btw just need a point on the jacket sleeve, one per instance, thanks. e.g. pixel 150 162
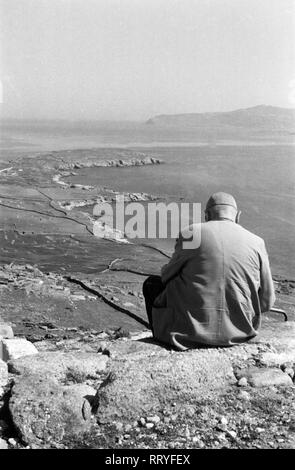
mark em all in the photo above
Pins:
pixel 266 291
pixel 178 260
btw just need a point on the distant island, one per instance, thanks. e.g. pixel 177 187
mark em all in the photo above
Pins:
pixel 261 117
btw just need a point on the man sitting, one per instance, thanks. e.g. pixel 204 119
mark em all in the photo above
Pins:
pixel 212 295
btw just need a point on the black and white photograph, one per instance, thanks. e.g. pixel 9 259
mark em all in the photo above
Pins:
pixel 147 227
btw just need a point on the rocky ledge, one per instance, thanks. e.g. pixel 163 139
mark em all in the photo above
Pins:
pixel 91 163
pixel 106 391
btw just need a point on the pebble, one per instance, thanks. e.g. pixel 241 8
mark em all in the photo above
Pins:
pixel 3 444
pixel 12 441
pixel 187 433
pixel 289 371
pixel 149 425
pixel 142 421
pixel 243 382
pixel 102 335
pixel 221 437
pixel 153 419
pixel 232 434
pixel 223 420
pixel 243 395
pixel 260 430
pixel 119 426
pixel 128 427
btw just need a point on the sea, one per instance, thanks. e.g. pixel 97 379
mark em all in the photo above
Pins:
pixel 258 171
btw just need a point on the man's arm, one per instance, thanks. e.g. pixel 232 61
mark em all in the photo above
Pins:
pixel 266 292
pixel 179 258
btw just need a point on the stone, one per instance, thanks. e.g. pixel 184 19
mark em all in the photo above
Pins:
pixel 243 395
pixel 189 410
pixel 201 445
pixel 71 367
pixel 3 444
pixel 138 387
pixel 153 419
pixel 17 347
pixel 266 377
pixel 289 371
pixel 282 341
pixel 133 350
pixel 243 382
pixel 3 373
pixel 45 412
pixel 260 430
pixel 119 426
pixel 223 420
pixel 6 332
pixel 12 441
pixel 149 425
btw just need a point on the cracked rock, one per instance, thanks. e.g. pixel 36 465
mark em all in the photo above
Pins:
pixel 69 367
pixel 17 347
pixel 45 412
pixel 141 388
pixel 6 331
pixel 266 377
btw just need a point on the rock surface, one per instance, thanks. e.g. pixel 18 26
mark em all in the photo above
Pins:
pixel 282 341
pixel 266 377
pixel 135 387
pixel 17 347
pixel 61 366
pixel 3 444
pixel 45 412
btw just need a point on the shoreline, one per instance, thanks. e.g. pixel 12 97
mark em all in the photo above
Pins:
pixel 76 307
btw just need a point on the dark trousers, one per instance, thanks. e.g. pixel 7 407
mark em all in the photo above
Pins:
pixel 151 288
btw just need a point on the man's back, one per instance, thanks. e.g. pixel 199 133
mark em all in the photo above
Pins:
pixel 214 294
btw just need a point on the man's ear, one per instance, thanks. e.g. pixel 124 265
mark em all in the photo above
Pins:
pixel 238 217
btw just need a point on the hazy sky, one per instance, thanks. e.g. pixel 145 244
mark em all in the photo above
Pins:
pixel 132 59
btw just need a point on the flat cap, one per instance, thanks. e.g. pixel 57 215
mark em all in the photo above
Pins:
pixel 221 199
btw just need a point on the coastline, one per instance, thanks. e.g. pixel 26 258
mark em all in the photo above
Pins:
pixel 77 300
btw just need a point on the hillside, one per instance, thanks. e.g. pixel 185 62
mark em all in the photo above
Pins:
pixel 260 117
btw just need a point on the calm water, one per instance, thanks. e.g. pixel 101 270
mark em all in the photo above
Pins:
pixel 261 178
pixel 260 174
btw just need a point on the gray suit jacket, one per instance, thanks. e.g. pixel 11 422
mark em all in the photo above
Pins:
pixel 215 293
